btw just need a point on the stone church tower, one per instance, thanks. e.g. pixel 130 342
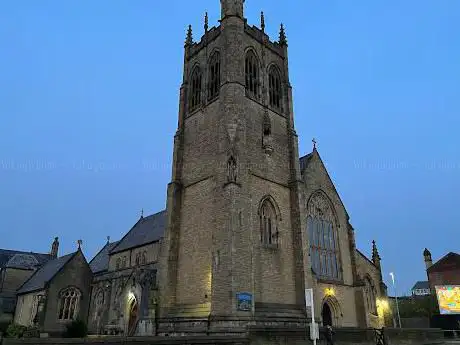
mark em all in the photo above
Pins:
pixel 233 244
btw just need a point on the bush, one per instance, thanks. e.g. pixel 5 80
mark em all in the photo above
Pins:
pixel 76 329
pixel 15 331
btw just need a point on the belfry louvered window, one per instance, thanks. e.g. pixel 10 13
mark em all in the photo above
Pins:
pixel 214 76
pixel 274 88
pixel 252 75
pixel 195 89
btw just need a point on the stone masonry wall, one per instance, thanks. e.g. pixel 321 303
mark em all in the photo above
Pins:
pixel 274 336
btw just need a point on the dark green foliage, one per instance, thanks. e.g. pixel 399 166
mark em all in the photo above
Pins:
pixel 15 331
pixel 425 306
pixel 76 329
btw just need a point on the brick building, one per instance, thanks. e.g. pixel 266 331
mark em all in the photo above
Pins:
pixel 248 224
pixel 445 271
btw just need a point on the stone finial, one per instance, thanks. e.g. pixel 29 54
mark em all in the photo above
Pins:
pixel 108 239
pixel 189 38
pixel 314 143
pixel 55 247
pixel 262 21
pixel 282 39
pixel 142 213
pixel 375 254
pixel 206 22
pixel 79 242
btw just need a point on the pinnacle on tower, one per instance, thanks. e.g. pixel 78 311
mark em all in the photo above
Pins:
pixel 282 39
pixel 55 247
pixel 189 38
pixel 232 8
pixel 262 21
pixel 375 254
pixel 206 22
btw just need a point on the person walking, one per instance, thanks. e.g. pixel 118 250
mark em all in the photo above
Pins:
pixel 329 335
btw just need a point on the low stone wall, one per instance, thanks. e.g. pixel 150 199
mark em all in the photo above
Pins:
pixel 258 336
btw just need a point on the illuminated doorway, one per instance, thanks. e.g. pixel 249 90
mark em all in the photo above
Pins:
pixel 326 315
pixel 133 314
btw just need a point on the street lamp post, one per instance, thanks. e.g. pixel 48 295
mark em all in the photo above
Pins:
pixel 396 298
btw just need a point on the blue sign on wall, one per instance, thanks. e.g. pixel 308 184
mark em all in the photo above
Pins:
pixel 244 301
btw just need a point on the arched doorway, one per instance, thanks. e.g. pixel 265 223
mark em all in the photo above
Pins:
pixel 133 313
pixel 326 315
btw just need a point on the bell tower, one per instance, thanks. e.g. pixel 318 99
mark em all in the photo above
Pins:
pixel 233 241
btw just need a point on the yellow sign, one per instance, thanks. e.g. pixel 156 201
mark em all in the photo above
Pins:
pixel 448 299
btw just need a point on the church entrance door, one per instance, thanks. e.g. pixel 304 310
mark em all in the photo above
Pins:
pixel 326 315
pixel 133 313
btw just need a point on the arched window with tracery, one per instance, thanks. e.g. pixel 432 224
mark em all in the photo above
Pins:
pixel 195 89
pixel 214 76
pixel 322 233
pixel 252 75
pixel 274 87
pixel 268 223
pixel 69 304
pixel 369 290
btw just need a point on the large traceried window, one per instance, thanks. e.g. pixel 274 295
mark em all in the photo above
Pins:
pixel 195 89
pixel 370 296
pixel 69 304
pixel 214 76
pixel 274 87
pixel 268 223
pixel 322 234
pixel 252 75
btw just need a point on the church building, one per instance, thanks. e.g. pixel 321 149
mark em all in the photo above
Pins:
pixel 249 225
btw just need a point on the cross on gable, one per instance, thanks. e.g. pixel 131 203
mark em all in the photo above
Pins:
pixel 314 143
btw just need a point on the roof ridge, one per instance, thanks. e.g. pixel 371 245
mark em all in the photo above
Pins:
pixel 67 257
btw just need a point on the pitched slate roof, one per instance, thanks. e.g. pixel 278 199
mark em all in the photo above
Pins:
pixel 100 262
pixel 146 230
pixel 448 261
pixel 20 259
pixel 421 285
pixel 47 272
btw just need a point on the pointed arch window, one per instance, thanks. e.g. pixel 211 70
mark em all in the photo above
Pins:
pixel 322 235
pixel 69 304
pixel 195 89
pixel 252 75
pixel 274 87
pixel 214 76
pixel 268 224
pixel 370 296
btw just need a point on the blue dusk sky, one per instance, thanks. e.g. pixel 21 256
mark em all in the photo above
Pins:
pixel 89 104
